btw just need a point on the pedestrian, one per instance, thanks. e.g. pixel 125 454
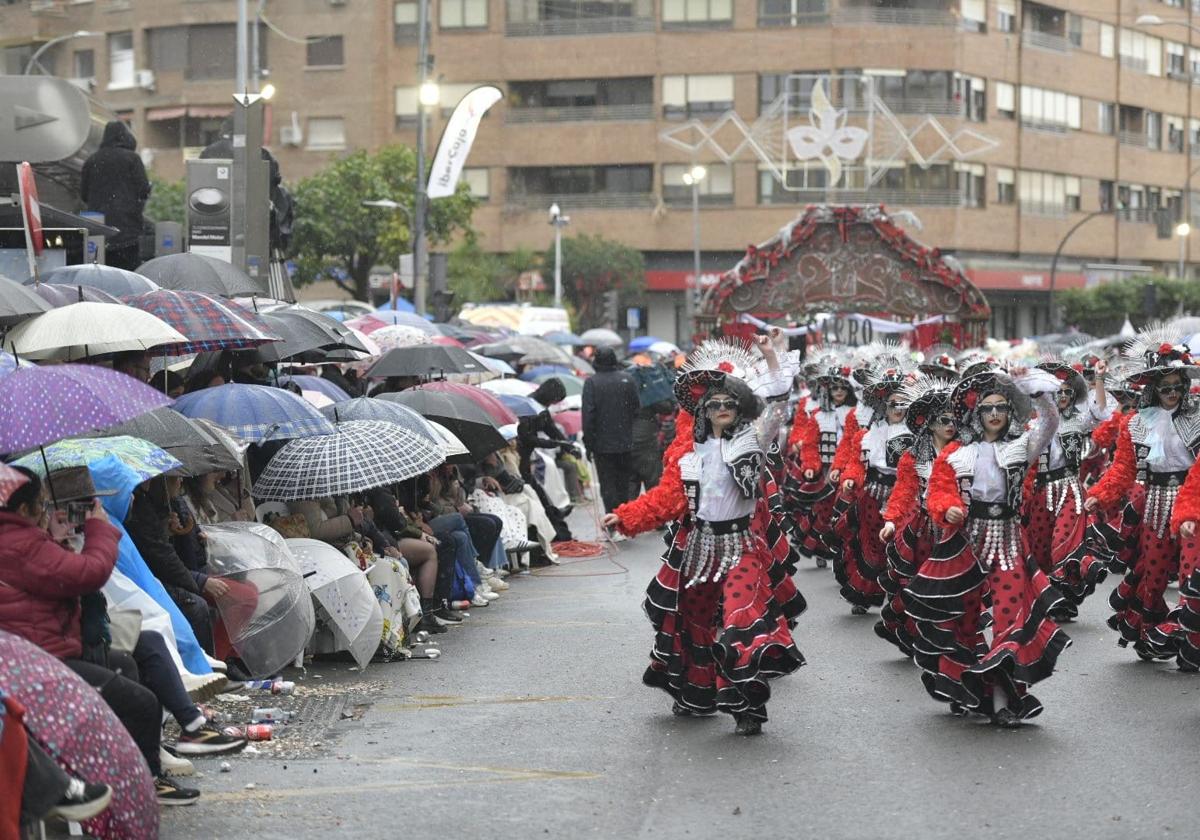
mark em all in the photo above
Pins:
pixel 722 622
pixel 114 182
pixel 610 405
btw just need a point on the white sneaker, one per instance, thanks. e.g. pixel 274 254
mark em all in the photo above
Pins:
pixel 216 664
pixel 479 600
pixel 174 765
pixel 491 596
pixel 206 687
pixel 497 584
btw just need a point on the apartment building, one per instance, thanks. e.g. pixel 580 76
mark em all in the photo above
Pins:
pixel 1078 107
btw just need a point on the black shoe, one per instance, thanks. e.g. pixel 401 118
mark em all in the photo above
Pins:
pixel 82 801
pixel 958 709
pixel 170 793
pixel 747 725
pixel 680 711
pixel 236 671
pixel 209 741
pixel 858 609
pixel 822 562
pixel 1006 718
pixel 431 625
pixel 447 614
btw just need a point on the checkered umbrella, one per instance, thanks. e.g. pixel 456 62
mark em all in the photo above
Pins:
pixel 361 454
pixel 255 412
pixel 209 323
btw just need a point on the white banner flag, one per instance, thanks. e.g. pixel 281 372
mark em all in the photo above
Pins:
pixel 457 138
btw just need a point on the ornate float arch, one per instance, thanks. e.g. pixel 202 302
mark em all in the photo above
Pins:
pixel 849 260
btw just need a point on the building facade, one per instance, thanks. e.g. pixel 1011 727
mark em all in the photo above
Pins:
pixel 1085 110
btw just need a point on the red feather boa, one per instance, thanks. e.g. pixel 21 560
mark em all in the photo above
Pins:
pixel 810 445
pixel 903 502
pixel 666 501
pixel 943 491
pixel 798 421
pixel 1187 503
pixel 1119 477
pixel 1105 434
pixel 848 447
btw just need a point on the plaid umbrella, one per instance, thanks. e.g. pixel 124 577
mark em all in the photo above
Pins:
pixel 108 279
pixel 141 456
pixel 57 295
pixel 369 408
pixel 42 404
pixel 199 274
pixel 10 480
pixel 360 455
pixel 209 323
pixel 255 412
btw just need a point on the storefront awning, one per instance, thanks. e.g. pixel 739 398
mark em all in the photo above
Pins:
pixel 200 112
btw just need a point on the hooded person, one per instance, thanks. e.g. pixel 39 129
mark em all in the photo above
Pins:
pixel 114 182
pixel 539 431
pixel 610 405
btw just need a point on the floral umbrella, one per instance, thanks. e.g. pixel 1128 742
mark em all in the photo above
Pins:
pixel 141 456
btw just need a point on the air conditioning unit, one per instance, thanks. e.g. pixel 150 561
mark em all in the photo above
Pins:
pixel 337 2
pixel 291 135
pixel 145 79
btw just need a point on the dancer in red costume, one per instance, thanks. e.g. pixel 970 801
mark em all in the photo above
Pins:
pixel 722 620
pixel 982 560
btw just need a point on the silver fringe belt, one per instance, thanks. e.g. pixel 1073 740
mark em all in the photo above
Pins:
pixel 995 532
pixel 879 484
pixel 713 548
pixel 1161 491
pixel 1060 484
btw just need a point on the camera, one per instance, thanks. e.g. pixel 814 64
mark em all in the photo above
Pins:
pixel 77 511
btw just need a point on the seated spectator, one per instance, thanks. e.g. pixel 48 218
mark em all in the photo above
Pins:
pixel 39 601
pixel 166 382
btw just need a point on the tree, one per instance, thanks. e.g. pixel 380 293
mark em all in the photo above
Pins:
pixel 593 265
pixel 339 239
pixel 479 276
pixel 166 203
pixel 1102 309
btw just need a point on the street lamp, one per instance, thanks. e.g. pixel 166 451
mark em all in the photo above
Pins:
pixel 40 51
pixel 268 91
pixel 1183 230
pixel 559 221
pixel 692 178
pixel 428 96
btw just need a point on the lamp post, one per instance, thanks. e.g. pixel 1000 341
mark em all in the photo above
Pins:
pixel 1058 253
pixel 389 204
pixel 692 178
pixel 40 51
pixel 559 221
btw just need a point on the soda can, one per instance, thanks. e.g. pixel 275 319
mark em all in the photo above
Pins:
pixel 258 732
pixel 274 715
pixel 234 732
pixel 460 605
pixel 283 687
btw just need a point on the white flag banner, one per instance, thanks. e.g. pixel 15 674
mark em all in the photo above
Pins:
pixel 457 138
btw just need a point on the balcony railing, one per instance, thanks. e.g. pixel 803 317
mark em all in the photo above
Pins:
pixel 1049 209
pixel 696 25
pixel 1046 41
pixel 582 201
pixel 787 19
pixel 925 198
pixel 682 197
pixel 579 26
pixel 942 106
pixel 589 113
pixel 1047 127
pixel 1144 215
pixel 1132 63
pixel 1133 138
pixel 871 16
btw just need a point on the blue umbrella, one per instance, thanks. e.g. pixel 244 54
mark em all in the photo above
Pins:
pixel 563 338
pixel 316 383
pixel 520 406
pixel 407 319
pixel 402 305
pixel 9 363
pixel 369 408
pixel 255 412
pixel 643 342
pixel 546 370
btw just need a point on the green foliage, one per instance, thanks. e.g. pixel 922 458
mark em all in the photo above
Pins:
pixel 1101 310
pixel 334 231
pixel 591 266
pixel 478 276
pixel 166 202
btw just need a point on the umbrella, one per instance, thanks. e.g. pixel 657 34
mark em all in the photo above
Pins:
pixel 582 366
pixel 498 366
pixel 346 601
pixel 488 402
pixel 571 422
pixel 91 329
pixel 402 305
pixel 315 383
pixel 509 386
pixel 56 295
pixel 565 339
pixel 141 456
pixel 42 404
pixel 208 322
pixel 663 348
pixel 370 408
pixel 532 374
pixel 643 342
pixel 446 341
pixel 400 335
pixel 107 278
pixel 372 322
pixel 424 361
pixel 191 441
pixel 573 384
pixel 339 334
pixel 198 273
pixel 360 455
pixel 270 617
pixel 297 337
pixel 469 423
pixel 73 723
pixel 521 406
pixel 255 412
pixel 18 303
pixel 451 445
pixel 315 398
pixel 523 347
pixel 600 337
pixel 9 363
pixel 10 481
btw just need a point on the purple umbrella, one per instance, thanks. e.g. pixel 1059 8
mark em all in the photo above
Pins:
pixel 69 720
pixel 39 405
pixel 316 383
pixel 59 295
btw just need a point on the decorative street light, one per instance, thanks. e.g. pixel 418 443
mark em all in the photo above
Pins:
pixel 559 221
pixel 692 178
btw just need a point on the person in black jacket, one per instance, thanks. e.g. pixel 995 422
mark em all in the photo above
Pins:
pixel 610 404
pixel 114 182
pixel 541 432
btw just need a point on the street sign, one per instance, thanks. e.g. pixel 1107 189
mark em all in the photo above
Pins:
pixel 43 119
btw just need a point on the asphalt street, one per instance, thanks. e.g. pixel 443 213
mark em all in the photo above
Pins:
pixel 534 723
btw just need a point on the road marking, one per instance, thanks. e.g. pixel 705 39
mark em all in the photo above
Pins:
pixel 446 701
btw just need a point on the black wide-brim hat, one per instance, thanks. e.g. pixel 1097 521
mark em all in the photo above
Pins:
pixel 1068 375
pixel 967 395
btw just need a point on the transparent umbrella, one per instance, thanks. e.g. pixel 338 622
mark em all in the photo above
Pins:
pixel 346 604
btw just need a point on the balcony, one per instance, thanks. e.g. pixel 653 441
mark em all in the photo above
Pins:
pixel 579 26
pixel 918 105
pixel 1046 209
pixel 1044 127
pixel 1144 215
pixel 1133 138
pixel 580 201
pixel 792 19
pixel 601 113
pixel 1130 62
pixel 895 198
pixel 1046 41
pixel 875 16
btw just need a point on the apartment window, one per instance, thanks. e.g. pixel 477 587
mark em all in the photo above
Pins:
pixel 791 12
pixel 586 93
pixel 971 183
pixel 1195 130
pixel 1071 190
pixel 802 182
pixel 971 92
pixel 478 180
pixel 628 179
pixel 326 134
pixel 1006 15
pixel 1174 133
pixel 325 52
pixel 449 95
pixel 120 60
pixel 716 188
pixel 1005 186
pixel 168 48
pixel 1153 130
pixel 1045 193
pixel 1049 109
pixel 684 13
pixel 1106 196
pixel 463 14
pixel 1108 40
pixel 687 96
pixel 799 89
pixel 84 64
pixel 1141 52
pixel 1106 117
pixel 1006 100
pixel 406 107
pixel 404 22
pixel 973 15
pixel 17 58
pixel 1075 30
pixel 1194 62
pixel 212 51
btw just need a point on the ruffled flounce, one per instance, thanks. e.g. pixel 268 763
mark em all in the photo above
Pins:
pixel 858 566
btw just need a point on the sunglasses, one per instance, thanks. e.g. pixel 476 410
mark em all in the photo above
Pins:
pixel 838 388
pixel 897 405
pixel 1164 390
pixel 945 420
pixel 986 410
pixel 1067 392
pixel 722 405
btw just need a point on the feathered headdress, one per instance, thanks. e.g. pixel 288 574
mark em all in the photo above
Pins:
pixel 927 397
pixel 709 364
pixel 884 375
pixel 1161 348
pixel 967 395
pixel 1068 375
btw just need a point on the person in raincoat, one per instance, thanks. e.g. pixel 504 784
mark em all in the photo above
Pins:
pixel 114 182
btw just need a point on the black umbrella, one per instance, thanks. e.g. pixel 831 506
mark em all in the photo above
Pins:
pixel 200 450
pixel 425 360
pixel 469 423
pixel 338 332
pixel 18 302
pixel 300 335
pixel 197 273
